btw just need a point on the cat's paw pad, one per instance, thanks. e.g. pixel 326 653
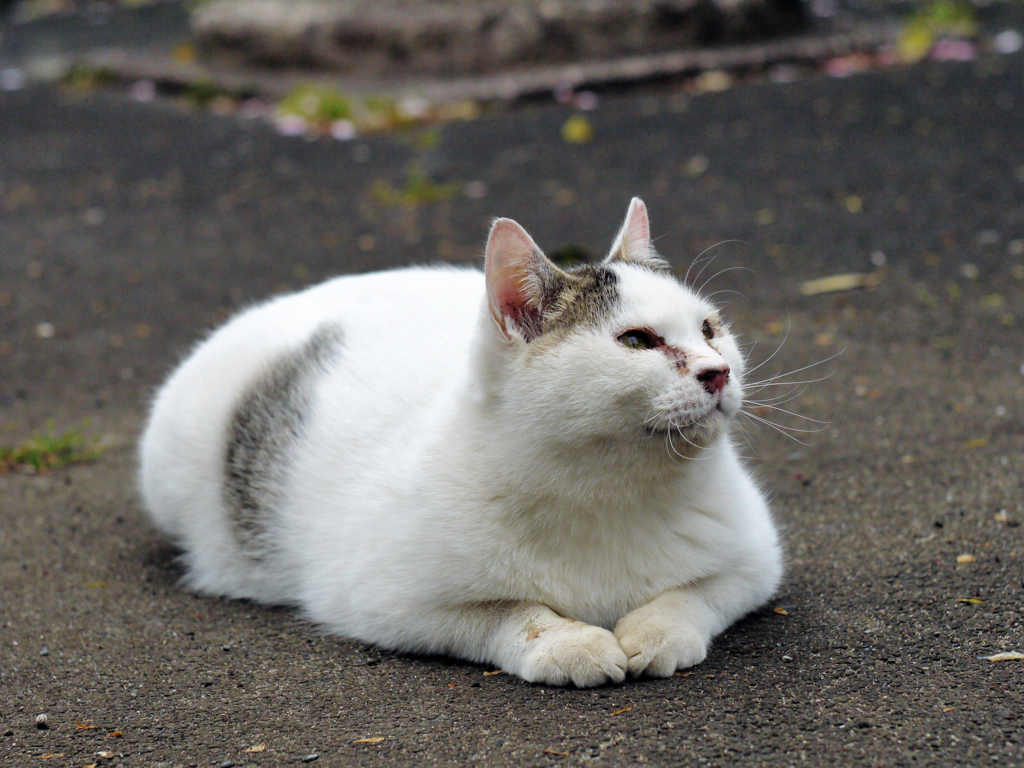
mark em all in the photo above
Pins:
pixel 657 647
pixel 573 653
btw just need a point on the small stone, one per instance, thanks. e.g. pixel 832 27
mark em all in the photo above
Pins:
pixel 42 722
pixel 93 217
pixel 12 79
pixel 311 757
pixel 475 190
pixel 1009 41
pixel 45 330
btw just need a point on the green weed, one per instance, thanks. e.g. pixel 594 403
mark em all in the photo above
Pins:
pixel 44 453
pixel 417 190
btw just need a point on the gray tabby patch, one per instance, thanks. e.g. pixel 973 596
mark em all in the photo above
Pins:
pixel 267 422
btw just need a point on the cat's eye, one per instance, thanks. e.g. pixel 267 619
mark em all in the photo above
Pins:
pixel 708 331
pixel 637 339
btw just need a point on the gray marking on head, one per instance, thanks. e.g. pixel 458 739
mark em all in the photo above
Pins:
pixel 578 297
pixel 268 420
pixel 649 260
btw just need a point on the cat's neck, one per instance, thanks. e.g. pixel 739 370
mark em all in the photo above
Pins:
pixel 603 478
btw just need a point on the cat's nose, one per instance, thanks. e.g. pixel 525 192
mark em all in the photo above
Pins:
pixel 714 379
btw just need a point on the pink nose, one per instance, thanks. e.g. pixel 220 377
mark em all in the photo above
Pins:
pixel 714 379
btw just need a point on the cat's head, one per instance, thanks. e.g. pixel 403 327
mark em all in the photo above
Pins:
pixel 616 351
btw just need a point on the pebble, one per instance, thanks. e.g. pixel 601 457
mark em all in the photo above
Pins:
pixel 1009 41
pixel 12 79
pixel 42 722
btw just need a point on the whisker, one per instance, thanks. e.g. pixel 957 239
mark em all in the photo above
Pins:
pixel 785 428
pixel 727 290
pixel 720 272
pixel 758 385
pixel 721 246
pixel 789 325
pixel 797 370
pixel 797 416
pixel 776 427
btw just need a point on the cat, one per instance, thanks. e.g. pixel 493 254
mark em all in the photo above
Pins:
pixel 529 467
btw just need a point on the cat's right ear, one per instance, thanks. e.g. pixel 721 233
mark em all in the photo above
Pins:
pixel 633 243
pixel 515 271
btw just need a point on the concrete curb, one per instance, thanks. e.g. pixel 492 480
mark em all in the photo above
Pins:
pixel 512 84
pixel 469 37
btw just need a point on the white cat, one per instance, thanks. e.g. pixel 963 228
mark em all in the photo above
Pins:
pixel 527 467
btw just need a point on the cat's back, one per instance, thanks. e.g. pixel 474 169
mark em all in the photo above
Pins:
pixel 261 373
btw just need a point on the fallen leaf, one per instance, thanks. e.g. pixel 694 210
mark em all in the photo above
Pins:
pixel 970 600
pixel 1007 656
pixel 835 283
pixel 255 748
pixel 949 709
pixel 549 751
pixel 114 735
pixel 370 740
pixel 494 672
pixel 965 558
pixel 84 726
pixel 621 711
pixel 782 612
pixel 978 442
pixel 713 81
pixel 684 674
pixel 577 130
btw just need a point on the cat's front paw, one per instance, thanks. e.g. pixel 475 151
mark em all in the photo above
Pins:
pixel 657 646
pixel 573 652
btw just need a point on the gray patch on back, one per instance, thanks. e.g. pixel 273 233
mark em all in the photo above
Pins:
pixel 267 422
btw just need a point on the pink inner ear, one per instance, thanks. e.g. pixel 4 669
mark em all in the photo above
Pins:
pixel 636 235
pixel 511 262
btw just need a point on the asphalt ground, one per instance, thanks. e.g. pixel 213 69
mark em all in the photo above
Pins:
pixel 128 230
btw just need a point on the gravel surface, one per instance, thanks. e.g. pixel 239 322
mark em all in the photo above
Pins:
pixel 130 229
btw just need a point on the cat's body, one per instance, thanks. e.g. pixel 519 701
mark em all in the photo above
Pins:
pixel 487 466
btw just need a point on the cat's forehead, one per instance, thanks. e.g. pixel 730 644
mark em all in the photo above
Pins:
pixel 593 295
pixel 580 297
pixel 658 299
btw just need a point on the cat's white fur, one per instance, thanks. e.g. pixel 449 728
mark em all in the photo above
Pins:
pixel 566 508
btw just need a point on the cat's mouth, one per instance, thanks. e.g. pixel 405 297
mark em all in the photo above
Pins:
pixel 687 425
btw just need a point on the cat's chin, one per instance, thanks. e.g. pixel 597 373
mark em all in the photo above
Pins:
pixel 689 436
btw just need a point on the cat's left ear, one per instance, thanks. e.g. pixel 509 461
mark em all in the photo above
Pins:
pixel 633 243
pixel 516 273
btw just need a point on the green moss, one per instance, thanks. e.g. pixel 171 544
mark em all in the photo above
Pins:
pixel 47 452
pixel 316 104
pixel 417 190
